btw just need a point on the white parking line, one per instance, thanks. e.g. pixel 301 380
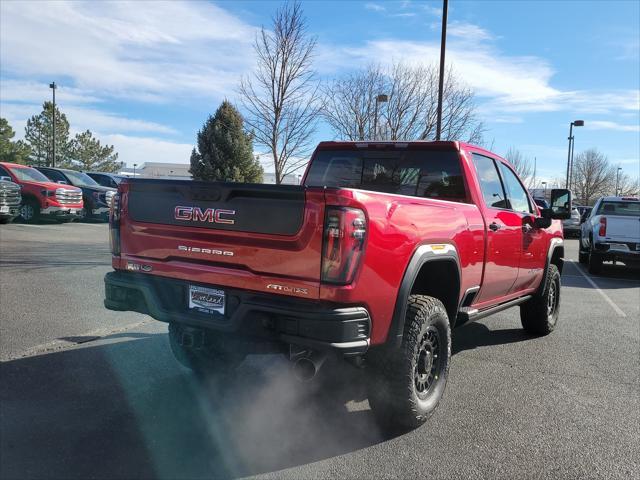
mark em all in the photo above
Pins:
pixel 599 290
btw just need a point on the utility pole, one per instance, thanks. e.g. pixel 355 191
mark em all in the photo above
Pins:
pixel 53 124
pixel 382 98
pixel 618 179
pixel 575 123
pixel 443 43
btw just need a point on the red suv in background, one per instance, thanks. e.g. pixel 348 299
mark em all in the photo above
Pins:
pixel 42 197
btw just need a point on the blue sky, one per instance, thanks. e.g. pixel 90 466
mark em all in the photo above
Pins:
pixel 143 75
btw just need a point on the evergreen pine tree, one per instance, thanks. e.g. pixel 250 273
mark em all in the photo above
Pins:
pixel 225 150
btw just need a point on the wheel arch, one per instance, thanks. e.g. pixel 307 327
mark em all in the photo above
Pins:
pixel 555 255
pixel 433 270
pixel 27 196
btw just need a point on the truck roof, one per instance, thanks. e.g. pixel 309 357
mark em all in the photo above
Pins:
pixel 413 144
pixel 620 199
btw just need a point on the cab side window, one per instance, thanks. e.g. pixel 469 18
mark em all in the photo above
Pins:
pixel 54 176
pixel 516 194
pixel 490 183
pixel 102 180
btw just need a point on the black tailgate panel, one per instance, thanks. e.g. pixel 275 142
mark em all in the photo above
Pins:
pixel 270 209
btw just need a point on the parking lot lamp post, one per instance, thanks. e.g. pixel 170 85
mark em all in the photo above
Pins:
pixel 618 179
pixel 575 123
pixel 544 185
pixel 443 43
pixel 134 169
pixel 379 99
pixel 53 87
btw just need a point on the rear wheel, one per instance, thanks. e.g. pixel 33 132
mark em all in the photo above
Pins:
pixel 4 221
pixel 407 383
pixel 30 211
pixel 208 357
pixel 539 315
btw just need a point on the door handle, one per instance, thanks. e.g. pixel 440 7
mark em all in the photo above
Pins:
pixel 494 226
pixel 527 227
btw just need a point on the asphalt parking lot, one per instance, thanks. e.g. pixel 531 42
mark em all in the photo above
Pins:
pixel 90 393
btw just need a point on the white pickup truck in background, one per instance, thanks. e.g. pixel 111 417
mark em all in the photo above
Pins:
pixel 611 233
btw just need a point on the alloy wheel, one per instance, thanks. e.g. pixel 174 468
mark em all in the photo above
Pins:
pixel 427 367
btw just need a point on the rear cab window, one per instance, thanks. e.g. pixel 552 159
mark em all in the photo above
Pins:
pixel 623 208
pixel 433 174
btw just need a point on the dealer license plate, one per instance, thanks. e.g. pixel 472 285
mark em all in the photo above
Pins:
pixel 206 300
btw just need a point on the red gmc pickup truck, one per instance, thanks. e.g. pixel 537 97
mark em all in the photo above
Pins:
pixel 382 250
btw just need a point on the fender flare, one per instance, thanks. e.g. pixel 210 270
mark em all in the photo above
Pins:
pixel 424 254
pixel 554 243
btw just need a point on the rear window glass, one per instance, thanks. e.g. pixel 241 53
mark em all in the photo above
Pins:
pixel 430 174
pixel 631 209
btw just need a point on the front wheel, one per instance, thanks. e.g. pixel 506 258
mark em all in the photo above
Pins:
pixel 539 315
pixel 407 383
pixel 30 211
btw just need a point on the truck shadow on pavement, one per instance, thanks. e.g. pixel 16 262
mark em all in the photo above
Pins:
pixel 127 410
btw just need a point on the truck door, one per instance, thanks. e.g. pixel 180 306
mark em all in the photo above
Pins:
pixel 504 233
pixel 533 256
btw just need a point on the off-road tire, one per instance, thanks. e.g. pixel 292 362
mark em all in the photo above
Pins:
pixel 4 221
pixel 539 315
pixel 212 359
pixel 406 384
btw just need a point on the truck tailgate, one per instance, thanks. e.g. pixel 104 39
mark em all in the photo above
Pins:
pixel 200 228
pixel 625 228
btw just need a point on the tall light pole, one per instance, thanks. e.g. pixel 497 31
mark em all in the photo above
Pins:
pixel 545 189
pixel 575 123
pixel 53 124
pixel 618 179
pixel 443 43
pixel 134 169
pixel 379 99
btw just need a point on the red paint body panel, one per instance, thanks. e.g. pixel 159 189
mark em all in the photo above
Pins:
pixel 396 227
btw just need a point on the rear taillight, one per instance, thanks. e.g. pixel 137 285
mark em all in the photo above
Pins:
pixel 114 224
pixel 344 234
pixel 603 227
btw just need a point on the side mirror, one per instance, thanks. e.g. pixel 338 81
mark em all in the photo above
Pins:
pixel 542 222
pixel 6 179
pixel 560 204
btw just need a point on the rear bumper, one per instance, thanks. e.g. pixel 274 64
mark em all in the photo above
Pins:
pixel 629 252
pixel 267 317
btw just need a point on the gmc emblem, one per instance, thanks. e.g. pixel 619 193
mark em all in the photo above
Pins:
pixel 211 215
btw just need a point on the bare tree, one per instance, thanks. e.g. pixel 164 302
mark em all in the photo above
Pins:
pixel 281 98
pixel 409 114
pixel 522 165
pixel 349 103
pixel 627 186
pixel 593 176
